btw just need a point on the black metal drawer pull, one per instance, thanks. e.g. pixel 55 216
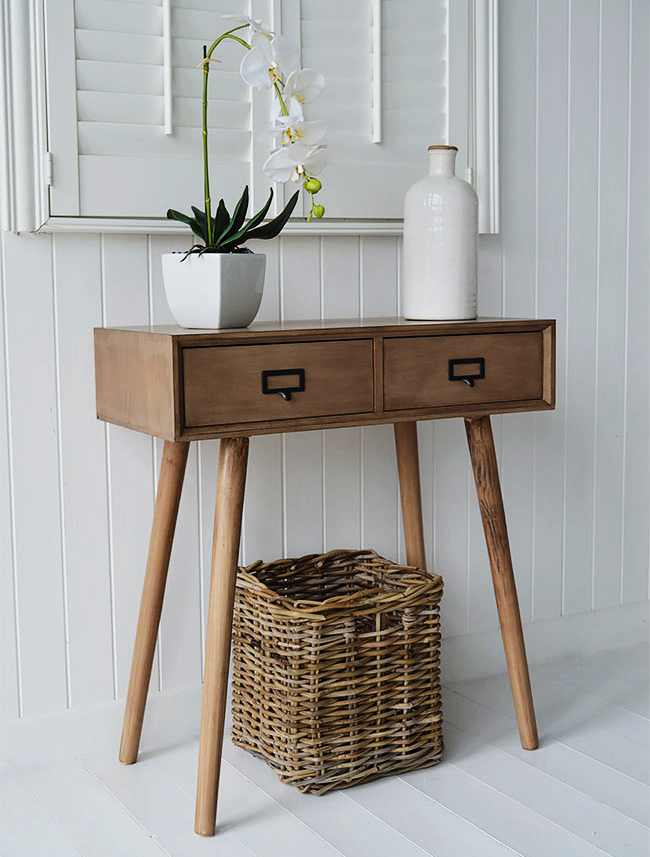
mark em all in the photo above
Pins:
pixel 467 376
pixel 284 390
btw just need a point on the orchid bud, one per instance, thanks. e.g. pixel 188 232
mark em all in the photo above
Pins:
pixel 312 185
pixel 319 210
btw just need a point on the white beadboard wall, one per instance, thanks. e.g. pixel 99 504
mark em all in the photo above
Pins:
pixel 77 495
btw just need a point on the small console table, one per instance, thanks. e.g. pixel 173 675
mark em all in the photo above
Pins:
pixel 185 385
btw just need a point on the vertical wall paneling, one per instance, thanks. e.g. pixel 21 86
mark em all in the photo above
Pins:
pixel 33 410
pixel 82 444
pixel 582 267
pixel 341 447
pixel 636 484
pixel 208 466
pixel 180 624
pixel 270 306
pixel 551 283
pixel 129 457
pixel 610 319
pixel 77 495
pixel 9 679
pixel 450 493
pixel 378 297
pixel 263 524
pixel 519 158
pixel 481 607
pixel 303 452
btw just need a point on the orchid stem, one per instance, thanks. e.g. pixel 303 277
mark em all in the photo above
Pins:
pixel 283 106
pixel 207 54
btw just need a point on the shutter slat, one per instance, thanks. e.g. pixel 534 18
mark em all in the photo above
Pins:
pixel 336 10
pixel 118 17
pixel 111 186
pixel 205 25
pixel 105 138
pixel 431 16
pixel 118 47
pixel 118 77
pixel 133 109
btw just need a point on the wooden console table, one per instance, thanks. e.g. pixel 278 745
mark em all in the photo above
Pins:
pixel 183 385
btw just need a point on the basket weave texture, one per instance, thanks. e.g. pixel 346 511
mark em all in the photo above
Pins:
pixel 336 660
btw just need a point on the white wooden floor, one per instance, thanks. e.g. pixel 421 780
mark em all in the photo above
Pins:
pixel 582 794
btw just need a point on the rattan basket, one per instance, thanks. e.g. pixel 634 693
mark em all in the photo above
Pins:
pixel 336 662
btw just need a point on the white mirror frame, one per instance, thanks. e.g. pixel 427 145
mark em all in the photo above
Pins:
pixel 25 162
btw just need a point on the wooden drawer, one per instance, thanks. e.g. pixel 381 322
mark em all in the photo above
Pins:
pixel 225 384
pixel 428 371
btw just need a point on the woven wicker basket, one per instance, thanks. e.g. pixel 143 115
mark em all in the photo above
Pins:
pixel 336 668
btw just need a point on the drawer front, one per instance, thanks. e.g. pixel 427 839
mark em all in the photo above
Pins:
pixel 250 383
pixel 425 371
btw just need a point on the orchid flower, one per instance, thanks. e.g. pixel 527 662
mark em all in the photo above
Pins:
pixel 268 61
pixel 302 86
pixel 295 162
pixel 296 131
pixel 245 21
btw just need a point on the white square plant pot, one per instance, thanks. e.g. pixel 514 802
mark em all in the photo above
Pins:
pixel 214 290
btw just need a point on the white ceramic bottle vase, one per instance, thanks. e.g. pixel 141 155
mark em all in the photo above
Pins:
pixel 440 243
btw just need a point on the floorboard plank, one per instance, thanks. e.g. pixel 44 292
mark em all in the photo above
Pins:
pixel 587 775
pixel 497 815
pixel 427 820
pixel 162 807
pixel 90 816
pixel 560 692
pixel 27 829
pixel 340 821
pixel 257 821
pixel 551 799
pixel 590 676
pixel 565 724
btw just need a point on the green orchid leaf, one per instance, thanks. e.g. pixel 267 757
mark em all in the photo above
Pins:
pixel 275 226
pixel 199 216
pixel 221 219
pixel 235 239
pixel 189 221
pixel 238 217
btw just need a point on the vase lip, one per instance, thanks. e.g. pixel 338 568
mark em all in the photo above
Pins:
pixel 454 148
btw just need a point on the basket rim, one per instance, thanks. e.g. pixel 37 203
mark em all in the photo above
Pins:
pixel 423 583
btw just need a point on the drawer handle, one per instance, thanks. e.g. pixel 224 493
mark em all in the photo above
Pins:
pixel 474 371
pixel 284 390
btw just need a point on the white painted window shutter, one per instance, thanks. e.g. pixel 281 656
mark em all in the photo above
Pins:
pixel 368 179
pixel 123 105
pixel 127 166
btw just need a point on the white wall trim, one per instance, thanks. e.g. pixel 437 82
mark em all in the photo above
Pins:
pixel 485 105
pixel 155 226
pixel 173 717
pixel 23 125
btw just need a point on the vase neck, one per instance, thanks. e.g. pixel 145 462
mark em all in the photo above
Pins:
pixel 442 161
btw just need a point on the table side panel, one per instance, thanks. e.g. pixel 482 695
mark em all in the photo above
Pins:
pixel 134 381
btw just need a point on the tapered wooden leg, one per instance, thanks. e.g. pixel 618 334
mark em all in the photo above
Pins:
pixel 488 488
pixel 408 467
pixel 170 485
pixel 233 457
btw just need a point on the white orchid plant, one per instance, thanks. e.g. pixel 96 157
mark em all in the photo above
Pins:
pixel 271 61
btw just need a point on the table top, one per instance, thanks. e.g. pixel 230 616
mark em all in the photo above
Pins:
pixel 480 324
